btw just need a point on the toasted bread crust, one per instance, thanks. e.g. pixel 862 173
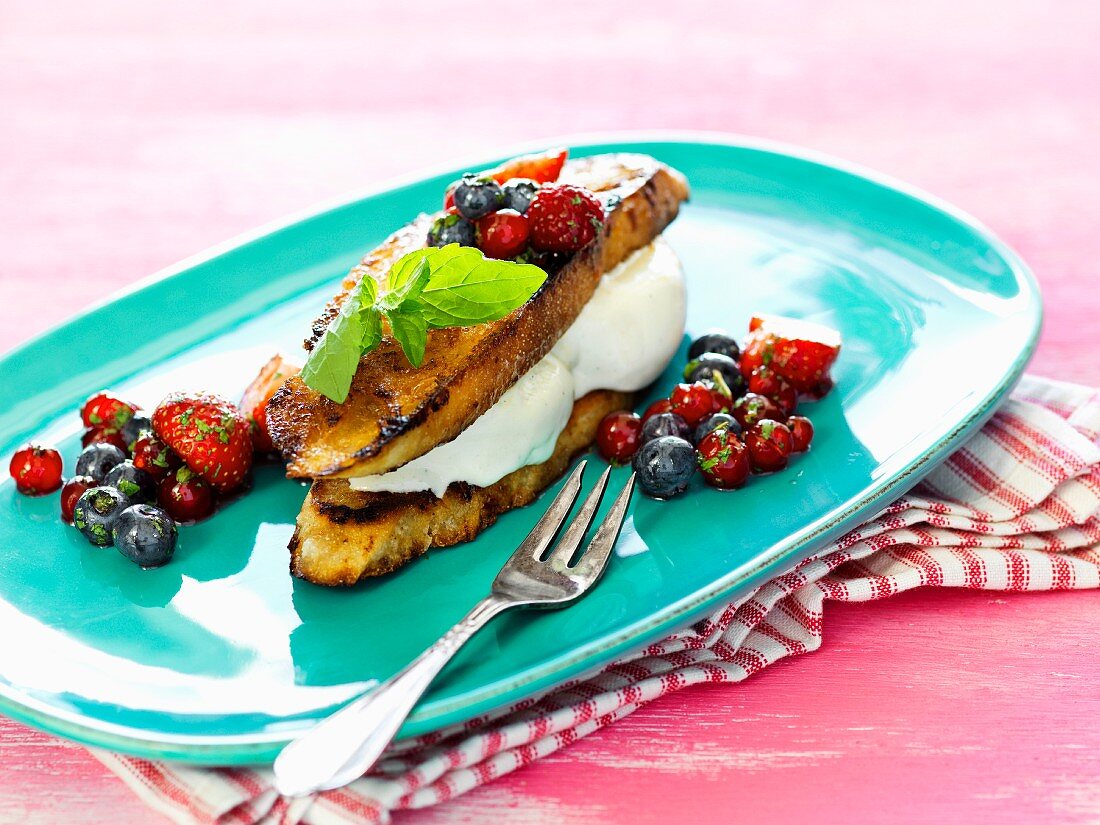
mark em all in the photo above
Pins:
pixel 344 535
pixel 395 413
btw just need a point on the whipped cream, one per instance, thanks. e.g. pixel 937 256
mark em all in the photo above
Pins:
pixel 622 340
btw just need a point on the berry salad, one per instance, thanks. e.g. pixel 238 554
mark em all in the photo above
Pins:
pixel 519 211
pixel 138 478
pixel 735 413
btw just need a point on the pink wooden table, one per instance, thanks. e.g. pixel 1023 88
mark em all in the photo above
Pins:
pixel 132 135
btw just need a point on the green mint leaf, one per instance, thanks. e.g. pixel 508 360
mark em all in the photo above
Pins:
pixel 366 292
pixel 466 288
pixel 331 365
pixel 410 330
pixel 451 286
pixel 127 487
pixel 372 330
pixel 405 268
pixel 410 284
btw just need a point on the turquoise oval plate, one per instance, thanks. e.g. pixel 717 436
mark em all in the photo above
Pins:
pixel 221 656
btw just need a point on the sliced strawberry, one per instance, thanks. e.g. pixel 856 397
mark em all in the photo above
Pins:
pixel 272 375
pixel 544 168
pixel 799 351
pixel 210 434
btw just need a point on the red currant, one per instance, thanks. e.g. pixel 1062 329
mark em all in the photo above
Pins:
pixel 185 496
pixel 720 400
pixel 692 402
pixel 106 410
pixel 723 459
pixel 750 408
pixel 154 456
pixel 766 382
pixel 502 234
pixel 618 436
pixel 104 435
pixel 661 405
pixel 802 432
pixel 74 488
pixel 36 469
pixel 770 444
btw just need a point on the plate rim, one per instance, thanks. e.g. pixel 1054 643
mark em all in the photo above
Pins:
pixel 261 747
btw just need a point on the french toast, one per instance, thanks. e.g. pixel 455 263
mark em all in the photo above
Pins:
pixel 344 535
pixel 395 412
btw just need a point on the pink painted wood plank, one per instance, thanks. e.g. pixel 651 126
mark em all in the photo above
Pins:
pixel 134 134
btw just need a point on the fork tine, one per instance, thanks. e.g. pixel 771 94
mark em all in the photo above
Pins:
pixel 594 559
pixel 574 533
pixel 547 527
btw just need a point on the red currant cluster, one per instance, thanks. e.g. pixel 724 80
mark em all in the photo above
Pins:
pixel 519 211
pixel 734 416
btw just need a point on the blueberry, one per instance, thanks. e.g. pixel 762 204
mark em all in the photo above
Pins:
pixel 518 194
pixel 98 459
pixel 664 424
pixel 717 420
pixel 710 362
pixel 95 513
pixel 136 484
pixel 664 466
pixel 452 229
pixel 135 427
pixel 476 197
pixel 146 535
pixel 717 342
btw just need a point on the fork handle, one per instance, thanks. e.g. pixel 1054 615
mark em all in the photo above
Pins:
pixel 346 745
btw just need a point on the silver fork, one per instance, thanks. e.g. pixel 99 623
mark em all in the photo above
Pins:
pixel 343 747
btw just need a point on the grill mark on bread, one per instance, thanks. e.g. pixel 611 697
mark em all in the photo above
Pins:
pixel 345 535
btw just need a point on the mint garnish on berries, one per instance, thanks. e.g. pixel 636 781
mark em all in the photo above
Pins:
pixel 434 288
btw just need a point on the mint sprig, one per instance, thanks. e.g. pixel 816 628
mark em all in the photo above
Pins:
pixel 450 286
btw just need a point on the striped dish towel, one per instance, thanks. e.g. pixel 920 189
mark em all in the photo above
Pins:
pixel 1016 508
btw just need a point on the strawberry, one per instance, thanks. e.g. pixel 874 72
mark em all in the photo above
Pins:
pixel 272 375
pixel 564 218
pixel 209 433
pixel 798 351
pixel 544 168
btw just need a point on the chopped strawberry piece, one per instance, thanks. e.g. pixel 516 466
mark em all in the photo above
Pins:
pixel 798 351
pixel 272 375
pixel 544 168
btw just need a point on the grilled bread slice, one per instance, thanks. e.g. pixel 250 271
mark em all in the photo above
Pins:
pixel 394 412
pixel 344 535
